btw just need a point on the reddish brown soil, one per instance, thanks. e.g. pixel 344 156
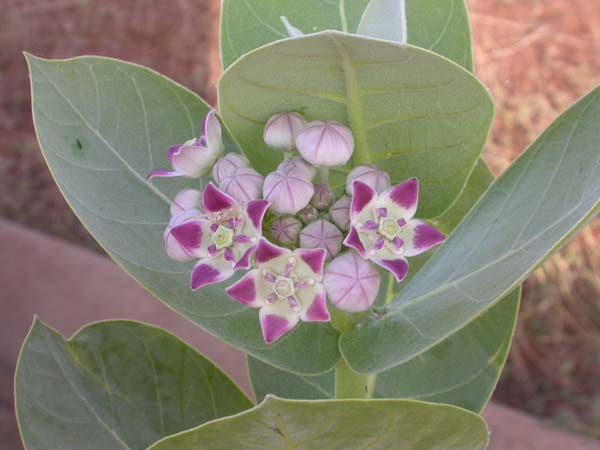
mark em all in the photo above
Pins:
pixel 536 56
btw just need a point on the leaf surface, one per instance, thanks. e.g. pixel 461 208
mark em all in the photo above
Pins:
pixel 115 385
pixel 338 425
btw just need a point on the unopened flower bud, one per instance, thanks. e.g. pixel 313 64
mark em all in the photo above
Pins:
pixel 308 214
pixel 326 144
pixel 288 193
pixel 351 282
pixel 322 234
pixel 183 236
pixel 227 164
pixel 323 196
pixel 186 200
pixel 282 130
pixel 340 213
pixel 371 176
pixel 285 230
pixel 244 184
pixel 297 166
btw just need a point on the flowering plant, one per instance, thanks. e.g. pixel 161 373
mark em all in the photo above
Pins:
pixel 331 217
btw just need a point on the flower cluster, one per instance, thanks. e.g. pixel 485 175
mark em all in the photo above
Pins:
pixel 304 247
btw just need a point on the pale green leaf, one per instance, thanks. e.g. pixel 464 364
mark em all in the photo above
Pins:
pixel 535 206
pixel 413 113
pixel 249 24
pixel 384 19
pixel 338 425
pixel 103 125
pixel 115 385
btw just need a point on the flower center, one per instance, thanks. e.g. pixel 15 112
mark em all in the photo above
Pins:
pixel 223 237
pixel 283 287
pixel 389 228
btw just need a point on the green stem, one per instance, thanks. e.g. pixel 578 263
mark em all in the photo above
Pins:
pixel 323 174
pixel 349 384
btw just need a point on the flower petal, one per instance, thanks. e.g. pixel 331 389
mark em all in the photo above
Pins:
pixel 353 241
pixel 186 200
pixel 403 198
pixel 314 258
pixel 266 252
pixel 363 196
pixel 274 326
pixel 256 212
pixel 172 150
pixel 214 200
pixel 245 290
pixel 397 267
pixel 315 310
pixel 244 261
pixel 161 173
pixel 211 128
pixel 210 271
pixel 419 237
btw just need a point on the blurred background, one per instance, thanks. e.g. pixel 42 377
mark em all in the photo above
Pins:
pixel 535 56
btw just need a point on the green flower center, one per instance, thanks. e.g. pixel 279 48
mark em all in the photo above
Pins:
pixel 389 228
pixel 223 237
pixel 283 287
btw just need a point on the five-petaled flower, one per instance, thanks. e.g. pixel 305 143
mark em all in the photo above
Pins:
pixel 383 229
pixel 195 157
pixel 287 287
pixel 223 237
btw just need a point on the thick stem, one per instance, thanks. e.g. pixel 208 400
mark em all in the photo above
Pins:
pixel 349 384
pixel 323 174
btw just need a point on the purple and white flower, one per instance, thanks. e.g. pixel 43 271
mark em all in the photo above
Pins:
pixel 351 282
pixel 286 286
pixel 243 184
pixel 383 229
pixel 282 130
pixel 370 175
pixel 326 144
pixel 185 200
pixel 322 234
pixel 287 192
pixel 195 157
pixel 223 238
pixel 228 164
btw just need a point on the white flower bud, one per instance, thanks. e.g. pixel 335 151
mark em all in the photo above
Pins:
pixel 326 144
pixel 322 234
pixel 243 184
pixel 285 230
pixel 282 130
pixel 340 213
pixel 287 193
pixel 227 164
pixel 371 176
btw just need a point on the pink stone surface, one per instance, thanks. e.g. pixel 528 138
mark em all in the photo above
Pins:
pixel 67 287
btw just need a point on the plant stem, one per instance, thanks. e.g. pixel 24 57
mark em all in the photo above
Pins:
pixel 323 174
pixel 349 384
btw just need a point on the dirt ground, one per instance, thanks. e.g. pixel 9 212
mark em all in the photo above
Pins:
pixel 536 57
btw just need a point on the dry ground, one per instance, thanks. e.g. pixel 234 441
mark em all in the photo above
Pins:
pixel 536 56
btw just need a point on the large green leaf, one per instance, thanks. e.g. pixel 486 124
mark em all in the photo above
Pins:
pixel 412 112
pixel 115 385
pixel 462 370
pixel 103 125
pixel 249 24
pixel 338 424
pixel 441 26
pixel 530 210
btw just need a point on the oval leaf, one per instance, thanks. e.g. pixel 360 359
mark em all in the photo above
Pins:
pixel 535 206
pixel 338 424
pixel 412 112
pixel 103 125
pixel 115 385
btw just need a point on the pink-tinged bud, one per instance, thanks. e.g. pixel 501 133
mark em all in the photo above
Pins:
pixel 297 166
pixel 323 196
pixel 186 200
pixel 371 176
pixel 322 234
pixel 308 214
pixel 183 236
pixel 286 230
pixel 244 184
pixel 340 213
pixel 326 144
pixel 287 193
pixel 282 130
pixel 228 164
pixel 351 282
